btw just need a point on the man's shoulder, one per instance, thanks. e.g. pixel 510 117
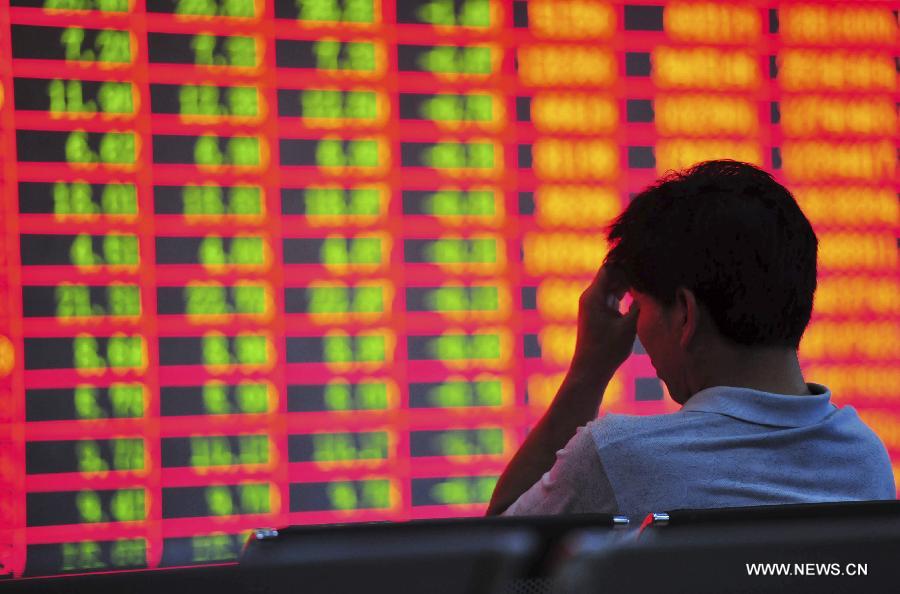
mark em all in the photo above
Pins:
pixel 620 430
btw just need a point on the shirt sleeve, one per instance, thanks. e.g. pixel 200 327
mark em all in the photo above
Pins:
pixel 577 483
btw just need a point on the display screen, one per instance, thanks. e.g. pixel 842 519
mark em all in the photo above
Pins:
pixel 319 261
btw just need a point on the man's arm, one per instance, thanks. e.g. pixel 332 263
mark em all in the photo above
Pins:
pixel 605 338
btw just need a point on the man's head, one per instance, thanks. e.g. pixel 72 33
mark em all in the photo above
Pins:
pixel 718 257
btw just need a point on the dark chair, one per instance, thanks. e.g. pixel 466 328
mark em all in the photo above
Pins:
pixel 192 580
pixel 470 555
pixel 827 547
pixel 459 556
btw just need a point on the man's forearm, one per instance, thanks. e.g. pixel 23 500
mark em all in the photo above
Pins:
pixel 575 405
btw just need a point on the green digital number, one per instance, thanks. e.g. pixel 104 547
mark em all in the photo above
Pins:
pixel 330 104
pixel 340 395
pixel 206 300
pixel 463 490
pixel 86 356
pixel 463 299
pixel 228 8
pixel 125 352
pixel 127 400
pixel 455 155
pixel 89 457
pixel 245 200
pixel 357 250
pixel 219 501
pixel 110 46
pixel 127 454
pixel 121 250
pixel 217 450
pixel 458 108
pixel 100 5
pixel 197 7
pixel 126 505
pixel 249 299
pixel 124 300
pixel 81 252
pixel 335 447
pixel 458 251
pixel 81 556
pixel 458 394
pixel 90 507
pixel 73 301
pixel 362 348
pixel 215 350
pixel 251 349
pixel 340 202
pixel 115 148
pixel 215 398
pixel 77 148
pixel 472 13
pixel 87 404
pixel 251 398
pixel 204 100
pixel 116 97
pixel 243 251
pixel 211 200
pixel 119 199
pixel 449 59
pixel 203 200
pixel 241 151
pixel 352 11
pixel 456 347
pixel 66 96
pixel 337 299
pixel 351 55
pixel 235 51
pixel 214 547
pixel 199 100
pixel 247 251
pixel 326 300
pixel 75 198
pixel 332 152
pixel 243 101
pixel 128 552
pixel 350 495
pixel 470 443
pixel 252 499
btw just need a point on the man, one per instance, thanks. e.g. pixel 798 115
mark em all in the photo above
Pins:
pixel 721 265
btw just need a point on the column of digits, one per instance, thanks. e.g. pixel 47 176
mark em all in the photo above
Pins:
pixel 215 296
pixel 838 121
pixel 86 356
pixel 570 68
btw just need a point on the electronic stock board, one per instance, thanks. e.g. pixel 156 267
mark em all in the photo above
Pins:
pixel 315 261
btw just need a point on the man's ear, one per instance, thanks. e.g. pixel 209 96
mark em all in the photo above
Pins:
pixel 688 319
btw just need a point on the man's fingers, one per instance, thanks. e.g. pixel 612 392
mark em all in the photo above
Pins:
pixel 632 314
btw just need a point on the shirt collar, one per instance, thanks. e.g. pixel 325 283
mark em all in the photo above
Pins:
pixel 764 408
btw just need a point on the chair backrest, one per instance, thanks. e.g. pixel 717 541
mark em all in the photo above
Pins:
pixel 428 556
pixel 496 554
pixel 847 547
pixel 792 511
pixel 462 556
pixel 191 580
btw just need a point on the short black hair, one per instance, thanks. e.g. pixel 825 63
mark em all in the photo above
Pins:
pixel 734 236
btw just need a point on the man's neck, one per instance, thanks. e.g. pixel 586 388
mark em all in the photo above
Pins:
pixel 767 370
